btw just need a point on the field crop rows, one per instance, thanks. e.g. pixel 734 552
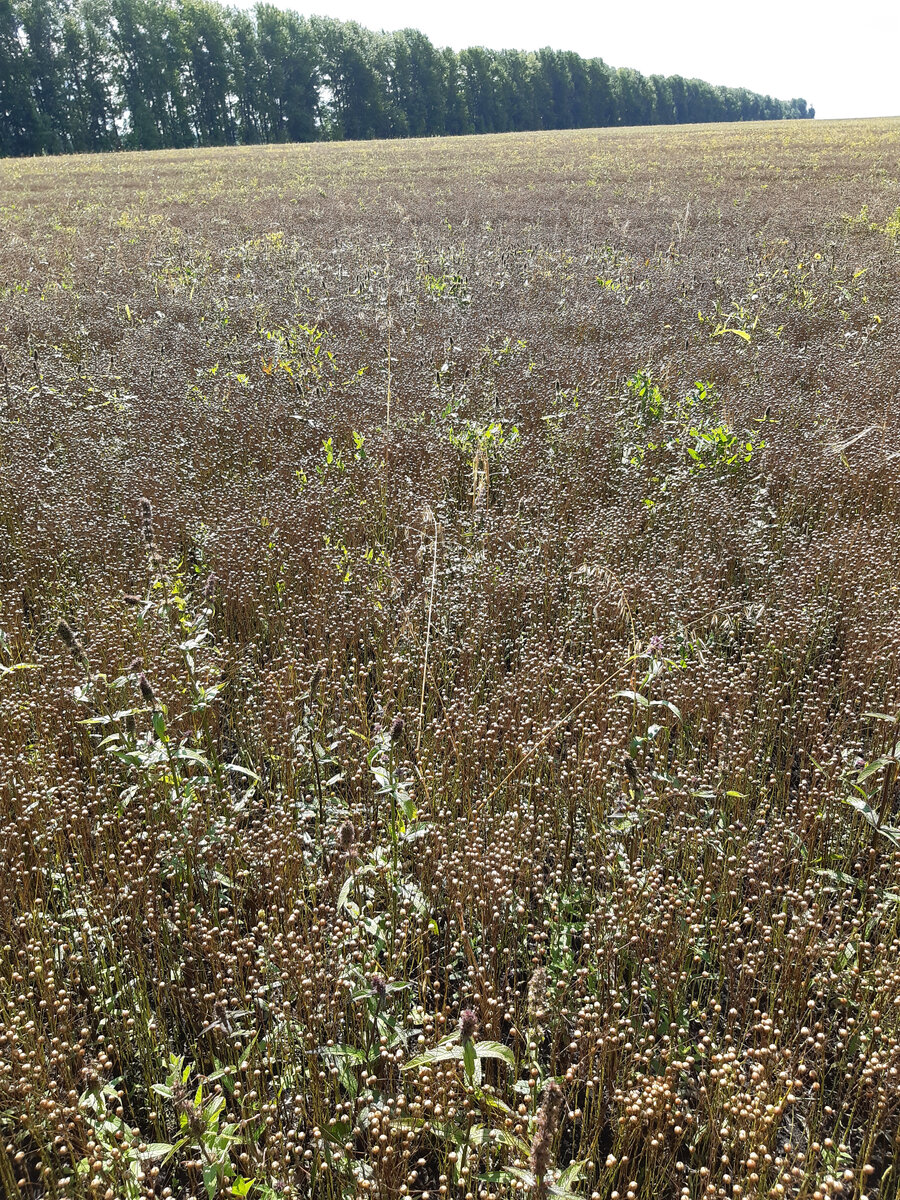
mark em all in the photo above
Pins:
pixel 448 668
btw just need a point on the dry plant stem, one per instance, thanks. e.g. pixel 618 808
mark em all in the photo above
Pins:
pixel 318 774
pixel 389 371
pixel 434 556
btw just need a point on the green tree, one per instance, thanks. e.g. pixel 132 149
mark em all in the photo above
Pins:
pixel 457 119
pixel 247 75
pixel 480 77
pixel 352 60
pixel 600 107
pixel 289 91
pixel 526 93
pixel 664 100
pixel 206 36
pixel 417 83
pixel 41 22
pixel 151 55
pixel 19 124
pixel 557 113
pixel 635 97
pixel 87 79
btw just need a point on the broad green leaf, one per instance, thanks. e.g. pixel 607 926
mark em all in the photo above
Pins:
pixel 571 1174
pixel 469 1057
pixel 481 1135
pixel 158 1150
pixel 442 1052
pixel 344 1051
pixel 877 765
pixel 868 813
pixel 211 1180
pixel 243 771
pixel 186 754
pixel 495 1050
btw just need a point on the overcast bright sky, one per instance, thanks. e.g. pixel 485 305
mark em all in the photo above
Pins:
pixel 843 59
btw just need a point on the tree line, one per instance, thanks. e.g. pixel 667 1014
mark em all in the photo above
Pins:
pixel 89 75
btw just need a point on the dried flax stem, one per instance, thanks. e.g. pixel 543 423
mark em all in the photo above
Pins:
pixel 427 638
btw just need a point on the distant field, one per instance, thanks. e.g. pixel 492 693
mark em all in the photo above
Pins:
pixel 449 681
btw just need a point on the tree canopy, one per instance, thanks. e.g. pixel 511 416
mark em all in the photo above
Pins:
pixel 88 75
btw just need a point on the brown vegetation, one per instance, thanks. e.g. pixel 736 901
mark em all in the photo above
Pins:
pixel 448 671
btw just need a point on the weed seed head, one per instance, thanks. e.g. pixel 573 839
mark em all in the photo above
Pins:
pixel 145 510
pixel 378 984
pixel 537 996
pixel 545 1130
pixel 315 679
pixel 468 1024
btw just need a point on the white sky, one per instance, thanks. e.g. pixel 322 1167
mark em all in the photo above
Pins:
pixel 844 59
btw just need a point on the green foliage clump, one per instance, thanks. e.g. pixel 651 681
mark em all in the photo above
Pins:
pixel 672 439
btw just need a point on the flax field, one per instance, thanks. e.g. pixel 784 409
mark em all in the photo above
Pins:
pixel 449 682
